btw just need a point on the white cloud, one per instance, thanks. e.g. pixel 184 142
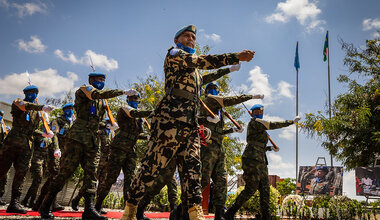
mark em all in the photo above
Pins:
pixel 279 167
pixel 259 84
pixel 304 11
pixel 216 38
pixel 149 70
pixel 49 82
pixel 99 60
pixel 26 9
pixel 376 35
pixel 33 46
pixel 369 24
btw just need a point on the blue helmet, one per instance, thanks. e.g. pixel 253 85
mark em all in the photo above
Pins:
pixel 257 107
pixel 67 105
pixel 97 74
pixel 212 91
pixel 323 168
pixel 31 87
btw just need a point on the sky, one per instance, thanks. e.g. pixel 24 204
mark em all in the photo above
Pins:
pixel 53 40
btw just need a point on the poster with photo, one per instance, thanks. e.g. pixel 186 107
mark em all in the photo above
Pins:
pixel 320 180
pixel 367 181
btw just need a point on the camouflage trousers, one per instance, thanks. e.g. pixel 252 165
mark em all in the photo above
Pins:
pixel 36 171
pixel 75 153
pixel 256 178
pixel 16 151
pixel 3 183
pixel 104 154
pixel 170 140
pixel 119 160
pixel 213 166
pixel 167 178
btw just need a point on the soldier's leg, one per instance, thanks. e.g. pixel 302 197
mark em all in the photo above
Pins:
pixel 209 158
pixel 69 162
pixel 162 146
pixel 172 193
pixel 264 189
pixel 129 166
pixel 36 171
pixel 89 164
pixel 219 177
pixel 103 162
pixel 3 183
pixel 189 160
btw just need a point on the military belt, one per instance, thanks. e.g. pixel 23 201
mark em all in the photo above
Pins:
pixel 181 93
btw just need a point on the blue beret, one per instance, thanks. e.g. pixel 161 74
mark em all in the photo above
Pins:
pixel 97 74
pixel 324 168
pixel 1 112
pixel 190 28
pixel 211 84
pixel 68 105
pixel 257 107
pixel 31 87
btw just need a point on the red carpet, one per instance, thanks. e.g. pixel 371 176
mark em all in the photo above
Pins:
pixel 79 214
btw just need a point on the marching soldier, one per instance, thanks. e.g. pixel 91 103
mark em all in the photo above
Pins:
pixel 254 162
pixel 82 144
pixel 3 133
pixel 105 135
pixel 59 126
pixel 213 155
pixel 122 148
pixel 174 124
pixel 17 147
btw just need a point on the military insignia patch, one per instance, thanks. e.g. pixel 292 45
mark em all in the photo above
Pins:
pixel 89 88
pixel 53 128
pixel 21 103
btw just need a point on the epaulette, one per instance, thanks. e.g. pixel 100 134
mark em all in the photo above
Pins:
pixel 127 110
pixel 263 122
pixel 87 90
pixel 217 98
pixel 20 104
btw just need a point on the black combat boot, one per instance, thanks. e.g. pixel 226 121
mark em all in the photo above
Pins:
pixel 15 207
pixel 89 210
pixel 219 213
pixel 37 204
pixel 229 215
pixel 56 207
pixel 75 202
pixel 98 207
pixel 2 202
pixel 141 209
pixel 31 201
pixel 45 210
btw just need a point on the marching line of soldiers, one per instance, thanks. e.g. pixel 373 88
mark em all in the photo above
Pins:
pixel 174 142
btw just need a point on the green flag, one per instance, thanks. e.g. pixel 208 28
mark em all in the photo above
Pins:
pixel 326 46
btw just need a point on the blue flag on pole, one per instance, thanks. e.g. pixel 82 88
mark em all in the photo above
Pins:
pixel 296 59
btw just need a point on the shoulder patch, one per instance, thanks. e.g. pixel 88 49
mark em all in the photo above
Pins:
pixel 219 99
pixel 53 128
pixel 127 110
pixel 20 104
pixel 174 51
pixel 263 122
pixel 87 90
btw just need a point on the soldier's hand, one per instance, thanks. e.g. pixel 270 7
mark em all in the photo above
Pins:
pixel 213 120
pixel 238 130
pixel 47 108
pixel 57 153
pixel 246 55
pixel 130 92
pixel 50 134
pixel 113 127
pixel 234 68
pixel 258 96
pixel 296 119
pixel 275 149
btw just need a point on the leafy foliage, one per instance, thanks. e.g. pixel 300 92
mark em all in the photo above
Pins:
pixel 287 186
pixel 352 135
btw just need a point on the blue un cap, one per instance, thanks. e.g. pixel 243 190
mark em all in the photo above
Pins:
pixel 97 74
pixel 31 87
pixel 190 28
pixel 257 107
pixel 67 105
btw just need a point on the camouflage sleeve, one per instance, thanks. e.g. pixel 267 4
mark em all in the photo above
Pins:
pixel 54 126
pixel 234 100
pixel 106 94
pixel 54 145
pixel 140 113
pixel 280 124
pixel 37 133
pixel 205 62
pixel 32 106
pixel 228 131
pixel 209 77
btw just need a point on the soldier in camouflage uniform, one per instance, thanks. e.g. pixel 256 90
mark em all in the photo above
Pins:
pixel 167 178
pixel 254 162
pixel 3 134
pixel 122 148
pixel 82 144
pixel 213 155
pixel 36 169
pixel 59 126
pixel 319 185
pixel 174 124
pixel 105 136
pixel 17 147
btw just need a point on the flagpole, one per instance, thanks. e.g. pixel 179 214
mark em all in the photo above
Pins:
pixel 296 115
pixel 328 70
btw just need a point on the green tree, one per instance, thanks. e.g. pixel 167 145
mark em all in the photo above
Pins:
pixel 287 186
pixel 352 135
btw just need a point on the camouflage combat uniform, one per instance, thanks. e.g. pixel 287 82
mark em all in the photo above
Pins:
pixel 254 164
pixel 122 151
pixel 174 124
pixel 105 136
pixel 82 142
pixel 319 187
pixel 17 146
pixel 3 181
pixel 213 155
pixel 40 151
